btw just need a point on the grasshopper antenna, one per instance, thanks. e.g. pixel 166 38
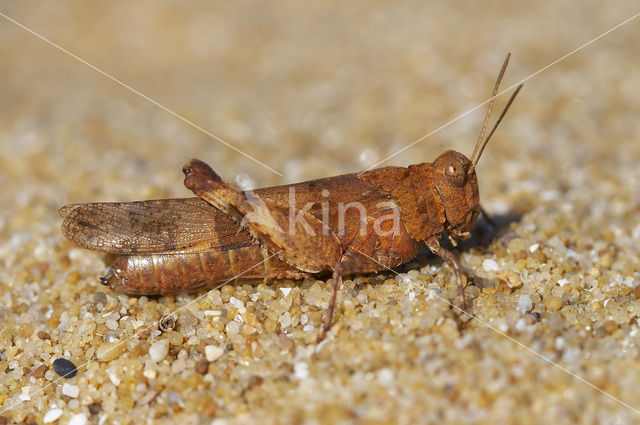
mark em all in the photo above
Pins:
pixel 474 158
pixel 480 145
pixel 493 97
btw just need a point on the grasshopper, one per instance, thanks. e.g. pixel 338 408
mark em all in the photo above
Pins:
pixel 383 217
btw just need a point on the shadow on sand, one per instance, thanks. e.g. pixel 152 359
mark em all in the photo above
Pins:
pixel 482 234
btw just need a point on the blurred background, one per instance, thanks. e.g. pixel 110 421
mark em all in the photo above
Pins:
pixel 309 90
pixel 313 90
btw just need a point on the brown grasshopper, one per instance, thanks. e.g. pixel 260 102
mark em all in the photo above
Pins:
pixel 383 216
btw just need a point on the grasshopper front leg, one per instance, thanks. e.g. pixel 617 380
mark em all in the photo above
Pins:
pixel 304 244
pixel 448 256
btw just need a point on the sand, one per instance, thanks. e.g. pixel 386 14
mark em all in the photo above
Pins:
pixel 312 91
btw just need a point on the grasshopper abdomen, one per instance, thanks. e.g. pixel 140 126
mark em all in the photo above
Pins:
pixel 160 274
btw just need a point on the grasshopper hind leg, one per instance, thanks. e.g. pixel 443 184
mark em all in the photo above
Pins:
pixel 328 322
pixel 349 263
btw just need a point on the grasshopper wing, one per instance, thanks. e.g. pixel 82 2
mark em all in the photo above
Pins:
pixel 155 226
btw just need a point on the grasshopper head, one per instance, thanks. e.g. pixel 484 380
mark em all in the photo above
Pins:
pixel 455 175
pixel 456 182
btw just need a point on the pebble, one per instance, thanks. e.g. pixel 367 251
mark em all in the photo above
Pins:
pixel 175 338
pixel 202 367
pixel 286 343
pixel 285 320
pixel 110 351
pixel 285 291
pixel 52 415
pixel 301 370
pixel 173 397
pixel 233 327
pixel 146 399
pixel 238 304
pixel 524 303
pixel 178 366
pixel 553 302
pixel 95 408
pixel 159 350
pixel 113 377
pixel 70 390
pixel 100 298
pixel 187 320
pixel 111 337
pixel 489 265
pixel 385 377
pixel 213 352
pixel 610 326
pixel 255 381
pixel 64 368
pixel 39 371
pixel 78 419
pixel 516 245
pixel 150 373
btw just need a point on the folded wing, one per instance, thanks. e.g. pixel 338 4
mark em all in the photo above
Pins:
pixel 163 225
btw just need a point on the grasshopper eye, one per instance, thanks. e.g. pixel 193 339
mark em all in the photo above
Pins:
pixel 455 173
